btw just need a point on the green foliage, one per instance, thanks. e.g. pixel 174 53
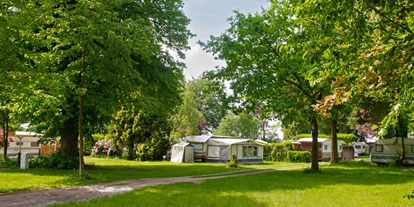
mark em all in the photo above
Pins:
pixel 55 160
pixel 9 163
pixel 278 151
pixel 243 125
pixel 299 156
pixel 189 120
pixel 149 131
pixel 211 100
pixel 153 149
pixel 232 163
pixel 348 138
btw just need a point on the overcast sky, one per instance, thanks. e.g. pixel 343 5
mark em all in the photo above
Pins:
pixel 209 17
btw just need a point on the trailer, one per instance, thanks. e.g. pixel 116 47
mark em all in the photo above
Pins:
pixel 361 148
pixel 388 150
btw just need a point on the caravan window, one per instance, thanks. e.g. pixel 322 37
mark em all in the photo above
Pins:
pixel 198 146
pixel 379 148
pixel 34 144
pixel 325 147
pixel 412 148
pixel 340 147
pixel 357 146
pixel 249 151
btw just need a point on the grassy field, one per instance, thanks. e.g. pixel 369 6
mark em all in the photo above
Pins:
pixel 349 184
pixel 100 170
pixel 103 170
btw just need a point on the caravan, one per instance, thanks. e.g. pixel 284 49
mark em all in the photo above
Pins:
pixel 388 150
pixel 361 148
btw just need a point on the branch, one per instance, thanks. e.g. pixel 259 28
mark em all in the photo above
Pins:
pixel 298 86
pixel 389 19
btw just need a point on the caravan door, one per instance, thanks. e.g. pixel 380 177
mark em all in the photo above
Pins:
pixel 224 153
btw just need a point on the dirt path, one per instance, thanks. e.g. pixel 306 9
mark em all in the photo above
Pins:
pixel 46 197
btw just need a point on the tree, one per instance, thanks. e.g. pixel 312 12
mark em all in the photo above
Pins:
pixel 189 120
pixel 366 50
pixel 211 100
pixel 88 56
pixel 263 53
pixel 243 125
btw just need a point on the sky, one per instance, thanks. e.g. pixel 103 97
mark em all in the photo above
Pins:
pixel 209 17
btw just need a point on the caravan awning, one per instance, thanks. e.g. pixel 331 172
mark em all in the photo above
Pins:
pixel 220 142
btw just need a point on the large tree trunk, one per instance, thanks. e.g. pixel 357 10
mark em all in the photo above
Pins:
pixel 403 132
pixel 81 110
pixel 69 138
pixel 334 139
pixel 5 134
pixel 314 124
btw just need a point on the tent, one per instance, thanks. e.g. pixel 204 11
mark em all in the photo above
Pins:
pixel 182 152
pixel 223 149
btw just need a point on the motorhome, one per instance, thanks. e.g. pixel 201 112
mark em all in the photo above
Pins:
pixel 388 150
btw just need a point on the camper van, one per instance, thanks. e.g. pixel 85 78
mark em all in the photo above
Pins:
pixel 388 150
pixel 361 148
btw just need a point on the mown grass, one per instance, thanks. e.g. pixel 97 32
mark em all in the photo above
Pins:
pixel 347 184
pixel 99 170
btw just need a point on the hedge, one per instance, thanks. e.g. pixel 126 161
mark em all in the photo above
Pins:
pixel 299 156
pixel 277 152
pixel 348 138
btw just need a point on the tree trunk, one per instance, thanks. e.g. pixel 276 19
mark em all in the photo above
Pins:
pixel 314 124
pixel 131 150
pixel 334 139
pixel 5 134
pixel 81 109
pixel 403 132
pixel 69 138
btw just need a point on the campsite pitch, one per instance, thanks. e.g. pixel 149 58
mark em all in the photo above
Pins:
pixel 46 197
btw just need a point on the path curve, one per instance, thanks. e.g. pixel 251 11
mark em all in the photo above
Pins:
pixel 44 197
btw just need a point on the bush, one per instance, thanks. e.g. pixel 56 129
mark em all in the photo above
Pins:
pixel 55 160
pixel 103 148
pixel 232 163
pixel 348 138
pixel 153 149
pixel 279 151
pixel 299 156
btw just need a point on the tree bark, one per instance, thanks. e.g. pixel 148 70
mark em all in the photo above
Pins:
pixel 314 124
pixel 334 139
pixel 81 109
pixel 403 132
pixel 5 135
pixel 69 138
pixel 131 150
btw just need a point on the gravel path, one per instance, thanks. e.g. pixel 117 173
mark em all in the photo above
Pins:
pixel 44 197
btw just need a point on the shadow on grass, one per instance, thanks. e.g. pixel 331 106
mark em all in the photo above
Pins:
pixel 250 190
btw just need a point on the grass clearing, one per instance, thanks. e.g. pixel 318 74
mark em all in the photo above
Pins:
pixel 347 184
pixel 100 170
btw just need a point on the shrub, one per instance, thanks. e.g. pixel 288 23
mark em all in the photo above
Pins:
pixel 232 163
pixel 279 151
pixel 299 156
pixel 103 148
pixel 348 138
pixel 55 160
pixel 153 149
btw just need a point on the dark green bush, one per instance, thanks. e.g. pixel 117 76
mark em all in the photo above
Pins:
pixel 348 138
pixel 55 160
pixel 153 149
pixel 299 156
pixel 279 151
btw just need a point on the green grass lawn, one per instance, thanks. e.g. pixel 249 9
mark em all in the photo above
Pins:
pixel 339 185
pixel 100 170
